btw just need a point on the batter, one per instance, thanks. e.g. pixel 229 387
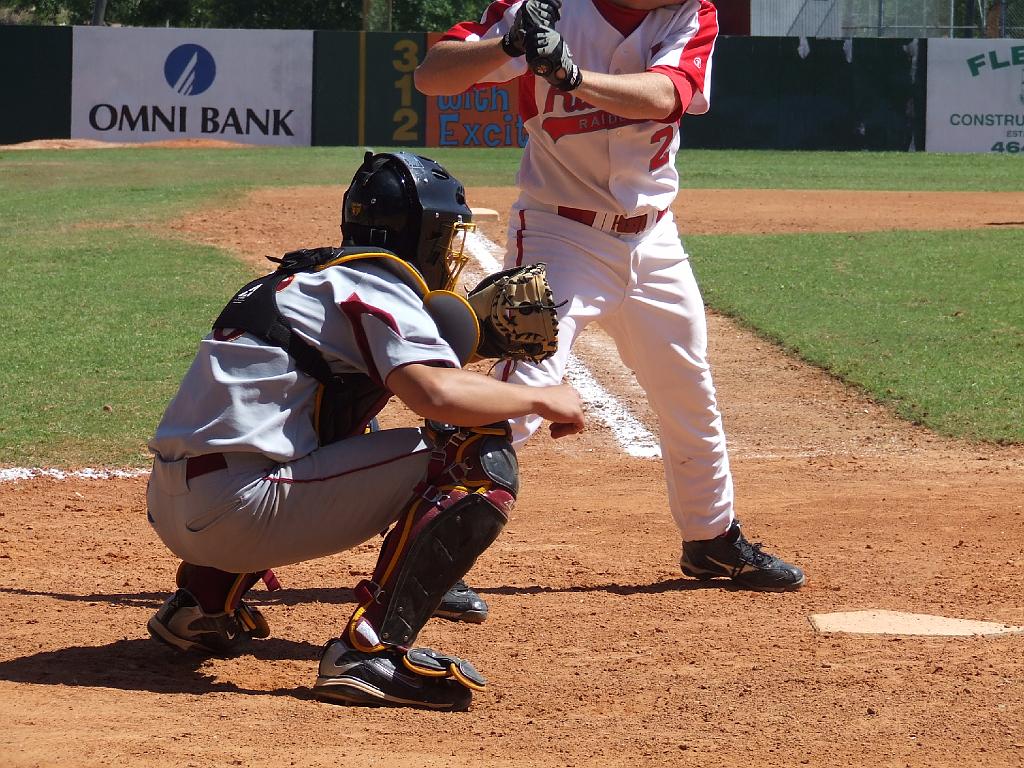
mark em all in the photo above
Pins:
pixel 603 85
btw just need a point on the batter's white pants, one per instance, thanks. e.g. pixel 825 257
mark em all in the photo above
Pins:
pixel 641 291
pixel 259 514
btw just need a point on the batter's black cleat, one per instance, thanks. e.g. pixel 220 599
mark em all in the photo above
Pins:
pixel 348 676
pixel 732 556
pixel 181 623
pixel 462 603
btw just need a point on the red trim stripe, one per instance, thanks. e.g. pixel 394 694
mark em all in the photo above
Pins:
pixel 506 370
pixel 528 96
pixel 519 238
pixel 354 309
pixel 293 481
pixel 701 45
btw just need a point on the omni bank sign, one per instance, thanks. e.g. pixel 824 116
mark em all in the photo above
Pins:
pixel 135 85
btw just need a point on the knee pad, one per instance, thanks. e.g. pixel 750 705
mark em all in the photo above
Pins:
pixel 453 516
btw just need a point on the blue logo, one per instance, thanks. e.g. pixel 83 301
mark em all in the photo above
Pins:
pixel 190 69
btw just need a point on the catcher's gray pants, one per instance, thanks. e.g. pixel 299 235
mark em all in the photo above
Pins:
pixel 259 514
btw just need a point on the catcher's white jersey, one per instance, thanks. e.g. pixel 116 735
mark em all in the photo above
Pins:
pixel 583 157
pixel 244 395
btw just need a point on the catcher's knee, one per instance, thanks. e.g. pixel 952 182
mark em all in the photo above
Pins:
pixel 480 458
pixel 454 515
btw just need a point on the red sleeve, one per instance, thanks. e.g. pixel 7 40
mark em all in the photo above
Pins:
pixel 690 71
pixel 684 86
pixel 492 16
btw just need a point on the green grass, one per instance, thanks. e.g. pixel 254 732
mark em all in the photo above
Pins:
pixel 97 333
pixel 99 311
pixel 931 323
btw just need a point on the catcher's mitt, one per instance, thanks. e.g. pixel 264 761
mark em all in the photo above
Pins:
pixel 517 314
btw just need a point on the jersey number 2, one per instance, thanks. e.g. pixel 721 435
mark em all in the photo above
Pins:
pixel 663 135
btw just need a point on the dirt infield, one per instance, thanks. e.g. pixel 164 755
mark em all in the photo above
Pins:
pixel 598 652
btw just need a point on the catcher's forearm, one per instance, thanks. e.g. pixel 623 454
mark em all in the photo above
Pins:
pixel 453 66
pixel 641 96
pixel 466 398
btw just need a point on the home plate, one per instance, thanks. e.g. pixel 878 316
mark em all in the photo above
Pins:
pixel 484 214
pixel 897 623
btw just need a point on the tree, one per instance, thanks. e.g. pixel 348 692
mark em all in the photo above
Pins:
pixel 406 16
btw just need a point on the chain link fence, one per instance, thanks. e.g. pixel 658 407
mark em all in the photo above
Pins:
pixel 888 18
pixel 994 18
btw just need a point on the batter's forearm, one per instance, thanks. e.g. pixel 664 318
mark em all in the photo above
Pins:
pixel 641 96
pixel 453 66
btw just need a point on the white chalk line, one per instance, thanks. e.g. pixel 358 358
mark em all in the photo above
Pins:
pixel 636 440
pixel 629 432
pixel 10 474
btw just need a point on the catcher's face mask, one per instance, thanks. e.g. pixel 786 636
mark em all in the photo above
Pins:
pixel 455 257
pixel 412 206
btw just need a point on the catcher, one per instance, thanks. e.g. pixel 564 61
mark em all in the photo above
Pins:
pixel 263 458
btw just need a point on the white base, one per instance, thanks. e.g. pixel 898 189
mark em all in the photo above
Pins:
pixel 897 623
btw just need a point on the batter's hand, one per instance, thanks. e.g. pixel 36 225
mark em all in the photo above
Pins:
pixel 549 57
pixel 561 405
pixel 531 15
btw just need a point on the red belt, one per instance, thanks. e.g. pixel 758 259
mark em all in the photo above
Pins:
pixel 197 466
pixel 631 225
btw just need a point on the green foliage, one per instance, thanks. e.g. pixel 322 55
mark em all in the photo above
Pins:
pixel 53 11
pixel 435 15
pixel 406 15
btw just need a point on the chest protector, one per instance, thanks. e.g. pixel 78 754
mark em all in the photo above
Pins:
pixel 345 402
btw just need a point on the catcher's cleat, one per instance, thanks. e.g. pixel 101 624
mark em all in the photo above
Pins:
pixel 430 663
pixel 381 679
pixel 181 623
pixel 192 578
pixel 732 556
pixel 462 603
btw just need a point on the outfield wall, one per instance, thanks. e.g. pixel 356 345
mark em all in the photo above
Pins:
pixel 327 88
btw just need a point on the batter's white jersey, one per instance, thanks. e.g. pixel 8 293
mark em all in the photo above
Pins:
pixel 583 157
pixel 596 189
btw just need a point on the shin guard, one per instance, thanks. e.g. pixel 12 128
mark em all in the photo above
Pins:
pixel 453 516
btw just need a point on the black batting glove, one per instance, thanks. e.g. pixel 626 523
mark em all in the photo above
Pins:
pixel 548 56
pixel 531 15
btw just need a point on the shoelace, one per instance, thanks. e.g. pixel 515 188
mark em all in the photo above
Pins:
pixel 752 553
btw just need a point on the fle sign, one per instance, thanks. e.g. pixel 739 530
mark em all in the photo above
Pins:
pixel 975 96
pixel 140 85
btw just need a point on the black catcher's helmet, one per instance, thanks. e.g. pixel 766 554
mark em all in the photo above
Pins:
pixel 413 207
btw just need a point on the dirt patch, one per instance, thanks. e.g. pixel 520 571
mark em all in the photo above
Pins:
pixel 94 144
pixel 598 651
pixel 272 221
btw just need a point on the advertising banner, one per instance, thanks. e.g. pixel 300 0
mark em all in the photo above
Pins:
pixel 975 96
pixel 483 117
pixel 249 86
